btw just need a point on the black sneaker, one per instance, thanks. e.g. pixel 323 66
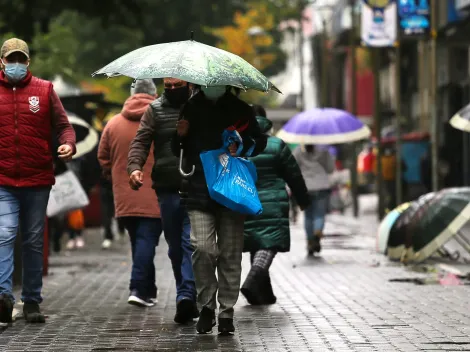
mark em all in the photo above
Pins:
pixel 206 321
pixel 186 311
pixel 226 326
pixel 32 313
pixel 316 244
pixel 138 300
pixel 6 309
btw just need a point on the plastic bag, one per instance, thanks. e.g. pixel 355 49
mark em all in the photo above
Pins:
pixel 231 181
pixel 67 194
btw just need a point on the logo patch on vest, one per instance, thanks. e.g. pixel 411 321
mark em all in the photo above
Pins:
pixel 34 104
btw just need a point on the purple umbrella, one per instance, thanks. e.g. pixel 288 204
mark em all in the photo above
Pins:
pixel 323 126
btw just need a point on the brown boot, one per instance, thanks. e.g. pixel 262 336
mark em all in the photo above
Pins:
pixel 316 242
pixel 310 247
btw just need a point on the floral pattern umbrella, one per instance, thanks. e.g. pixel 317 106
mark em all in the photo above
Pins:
pixel 190 61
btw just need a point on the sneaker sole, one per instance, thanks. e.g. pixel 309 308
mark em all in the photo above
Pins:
pixel 35 318
pixel 226 333
pixel 203 332
pixel 136 301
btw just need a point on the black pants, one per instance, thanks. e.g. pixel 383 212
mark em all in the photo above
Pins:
pixel 107 209
pixel 390 189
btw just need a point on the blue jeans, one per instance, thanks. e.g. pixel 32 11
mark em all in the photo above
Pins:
pixel 176 228
pixel 144 234
pixel 23 208
pixel 316 212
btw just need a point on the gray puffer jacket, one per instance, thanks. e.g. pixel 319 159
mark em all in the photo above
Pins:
pixel 315 167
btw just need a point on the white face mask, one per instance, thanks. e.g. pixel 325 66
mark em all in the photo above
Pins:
pixel 213 93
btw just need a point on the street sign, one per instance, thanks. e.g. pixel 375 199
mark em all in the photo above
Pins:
pixel 414 18
pixel 379 23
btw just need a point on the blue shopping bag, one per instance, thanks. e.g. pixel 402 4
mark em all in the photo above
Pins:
pixel 231 181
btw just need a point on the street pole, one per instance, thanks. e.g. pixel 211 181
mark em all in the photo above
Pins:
pixel 398 122
pixel 421 85
pixel 353 168
pixel 378 128
pixel 432 99
pixel 324 67
pixel 301 64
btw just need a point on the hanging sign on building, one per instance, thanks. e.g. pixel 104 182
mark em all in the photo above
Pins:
pixel 414 18
pixel 379 23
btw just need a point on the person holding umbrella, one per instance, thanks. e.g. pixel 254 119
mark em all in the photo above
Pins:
pixel 216 232
pixel 269 233
pixel 316 164
pixel 205 119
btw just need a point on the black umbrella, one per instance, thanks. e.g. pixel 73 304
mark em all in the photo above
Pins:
pixel 87 136
pixel 428 223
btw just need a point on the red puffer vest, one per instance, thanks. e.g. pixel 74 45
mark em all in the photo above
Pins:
pixel 25 133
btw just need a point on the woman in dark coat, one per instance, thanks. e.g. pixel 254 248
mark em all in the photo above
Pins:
pixel 268 233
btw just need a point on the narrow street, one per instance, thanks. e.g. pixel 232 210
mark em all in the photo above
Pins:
pixel 341 301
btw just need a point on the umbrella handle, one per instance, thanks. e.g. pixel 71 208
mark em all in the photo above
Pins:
pixel 185 175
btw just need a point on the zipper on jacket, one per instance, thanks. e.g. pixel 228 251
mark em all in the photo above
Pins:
pixel 17 161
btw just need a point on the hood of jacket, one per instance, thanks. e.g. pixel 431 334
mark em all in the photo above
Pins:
pixel 136 105
pixel 265 124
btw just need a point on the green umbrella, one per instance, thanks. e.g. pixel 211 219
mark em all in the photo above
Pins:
pixel 396 242
pixel 438 218
pixel 192 62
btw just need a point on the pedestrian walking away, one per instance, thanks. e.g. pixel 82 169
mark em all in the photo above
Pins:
pixel 138 211
pixel 316 164
pixel 216 232
pixel 157 126
pixel 30 111
pixel 269 233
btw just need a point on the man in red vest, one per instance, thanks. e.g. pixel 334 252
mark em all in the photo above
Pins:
pixel 30 113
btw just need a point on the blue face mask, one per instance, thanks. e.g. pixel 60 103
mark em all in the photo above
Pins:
pixel 15 72
pixel 213 93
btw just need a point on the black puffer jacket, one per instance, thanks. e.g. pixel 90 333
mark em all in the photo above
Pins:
pixel 207 121
pixel 158 125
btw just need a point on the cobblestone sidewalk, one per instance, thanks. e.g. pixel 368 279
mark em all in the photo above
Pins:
pixel 341 301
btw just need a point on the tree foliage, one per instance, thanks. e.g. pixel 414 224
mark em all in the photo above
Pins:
pixel 75 38
pixel 257 47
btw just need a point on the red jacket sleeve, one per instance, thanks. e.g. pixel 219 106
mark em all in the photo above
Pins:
pixel 60 121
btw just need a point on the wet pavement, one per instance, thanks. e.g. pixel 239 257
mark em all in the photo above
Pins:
pixel 341 301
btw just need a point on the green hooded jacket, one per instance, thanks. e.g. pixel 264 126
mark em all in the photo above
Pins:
pixel 276 167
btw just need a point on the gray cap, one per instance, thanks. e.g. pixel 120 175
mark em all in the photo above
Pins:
pixel 145 86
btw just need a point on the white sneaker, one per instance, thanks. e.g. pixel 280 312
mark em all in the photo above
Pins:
pixel 135 300
pixel 70 245
pixel 154 300
pixel 79 242
pixel 106 244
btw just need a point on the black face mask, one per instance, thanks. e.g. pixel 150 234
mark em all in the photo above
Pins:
pixel 177 96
